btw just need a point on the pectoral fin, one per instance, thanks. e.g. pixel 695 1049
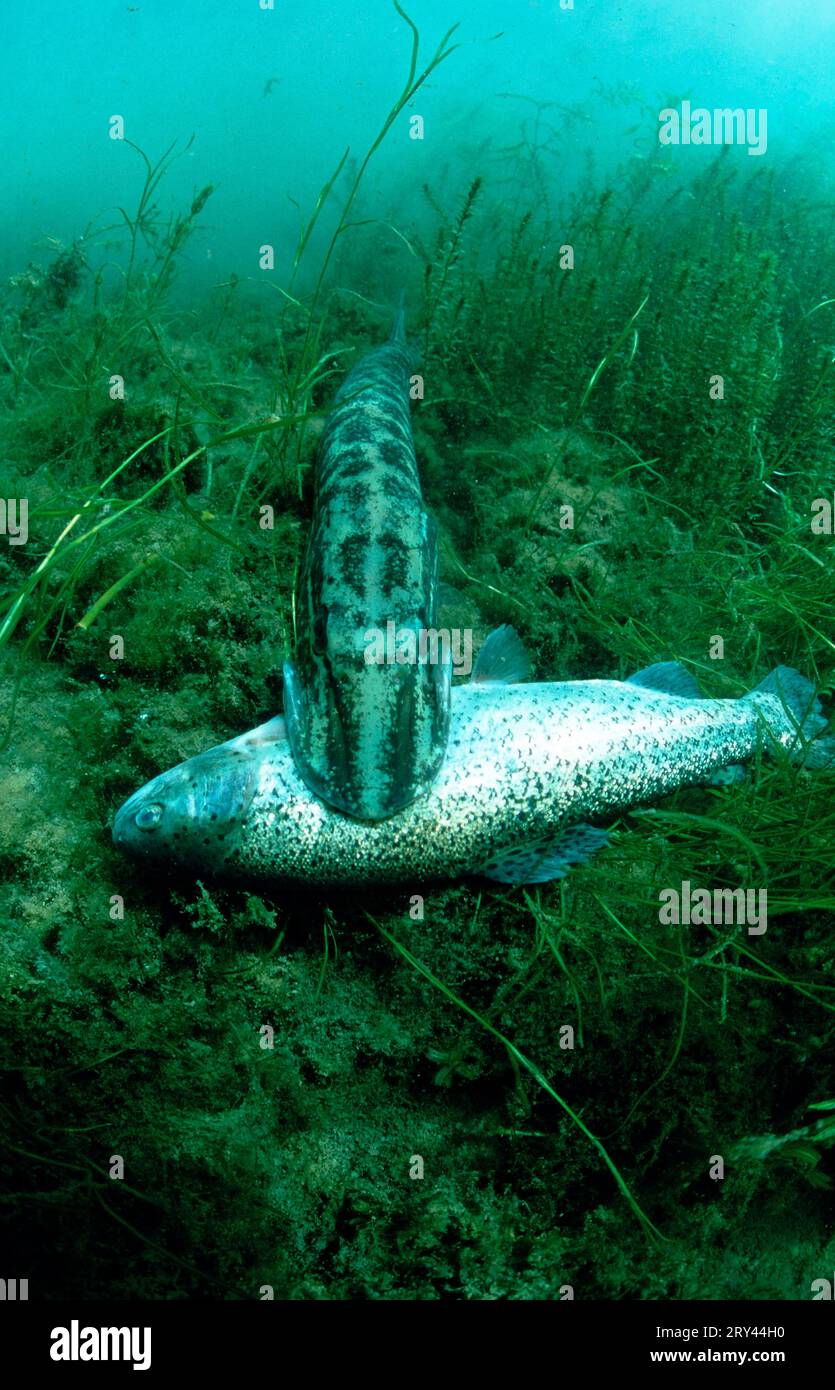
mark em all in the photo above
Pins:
pixel 293 705
pixel 726 776
pixel 547 858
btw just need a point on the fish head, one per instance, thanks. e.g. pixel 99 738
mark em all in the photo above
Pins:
pixel 193 814
pixel 367 738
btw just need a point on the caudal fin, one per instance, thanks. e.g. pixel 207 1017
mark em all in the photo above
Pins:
pixel 793 717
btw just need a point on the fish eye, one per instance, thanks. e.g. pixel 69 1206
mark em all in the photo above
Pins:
pixel 149 817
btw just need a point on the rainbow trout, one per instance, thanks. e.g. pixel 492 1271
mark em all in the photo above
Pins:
pixel 366 736
pixel 528 768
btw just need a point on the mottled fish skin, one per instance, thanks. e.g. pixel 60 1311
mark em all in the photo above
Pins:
pixel 526 768
pixel 367 738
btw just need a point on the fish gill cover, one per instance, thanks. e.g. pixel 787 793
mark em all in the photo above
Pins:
pixel 614 233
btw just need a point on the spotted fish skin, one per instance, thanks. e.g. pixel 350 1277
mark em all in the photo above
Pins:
pixel 527 769
pixel 367 738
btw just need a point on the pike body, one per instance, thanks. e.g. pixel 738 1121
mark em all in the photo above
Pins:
pixel 367 737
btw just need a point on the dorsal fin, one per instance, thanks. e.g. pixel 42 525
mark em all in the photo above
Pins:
pixel 669 676
pixel 502 659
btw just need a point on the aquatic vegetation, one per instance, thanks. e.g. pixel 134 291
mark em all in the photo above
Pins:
pixel 428 1022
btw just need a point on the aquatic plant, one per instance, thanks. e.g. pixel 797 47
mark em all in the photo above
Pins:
pixel 137 1029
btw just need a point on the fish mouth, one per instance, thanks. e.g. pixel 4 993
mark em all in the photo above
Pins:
pixel 118 830
pixel 326 739
pixel 123 821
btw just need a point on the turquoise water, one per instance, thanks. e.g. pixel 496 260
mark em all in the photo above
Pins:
pixel 274 96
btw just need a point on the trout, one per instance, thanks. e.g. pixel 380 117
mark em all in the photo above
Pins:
pixel 530 772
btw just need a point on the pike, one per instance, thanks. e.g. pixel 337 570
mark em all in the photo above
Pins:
pixel 529 773
pixel 367 738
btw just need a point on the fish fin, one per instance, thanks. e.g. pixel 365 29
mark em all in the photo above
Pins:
pixel 293 702
pixel 669 676
pixel 800 734
pixel 502 659
pixel 546 858
pixel 726 776
pixel 274 731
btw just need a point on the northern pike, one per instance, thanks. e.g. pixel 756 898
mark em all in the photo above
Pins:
pixel 366 736
pixel 529 770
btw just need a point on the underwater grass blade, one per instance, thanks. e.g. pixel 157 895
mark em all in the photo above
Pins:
pixel 120 584
pixel 650 1230
pixel 412 86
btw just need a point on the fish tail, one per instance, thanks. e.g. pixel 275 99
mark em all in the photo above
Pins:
pixel 792 714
